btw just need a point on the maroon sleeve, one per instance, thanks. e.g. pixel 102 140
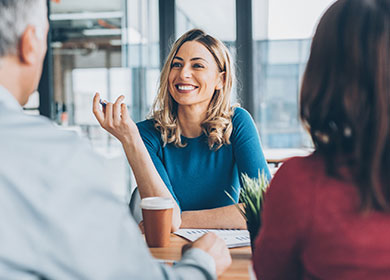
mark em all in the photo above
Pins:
pixel 285 221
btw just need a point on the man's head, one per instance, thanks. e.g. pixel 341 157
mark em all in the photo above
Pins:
pixel 23 31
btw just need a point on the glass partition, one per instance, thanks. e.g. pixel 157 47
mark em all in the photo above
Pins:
pixel 282 36
pixel 110 47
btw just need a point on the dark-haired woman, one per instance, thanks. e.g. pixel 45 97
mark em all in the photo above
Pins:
pixel 326 216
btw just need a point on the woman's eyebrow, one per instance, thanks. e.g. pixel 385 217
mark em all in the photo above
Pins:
pixel 199 58
pixel 178 58
pixel 192 59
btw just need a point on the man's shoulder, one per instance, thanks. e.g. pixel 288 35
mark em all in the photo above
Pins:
pixel 39 127
pixel 39 136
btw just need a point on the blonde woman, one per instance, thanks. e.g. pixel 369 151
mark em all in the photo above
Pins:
pixel 195 145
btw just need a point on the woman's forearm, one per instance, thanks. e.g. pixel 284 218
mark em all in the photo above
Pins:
pixel 114 117
pixel 148 179
pixel 227 217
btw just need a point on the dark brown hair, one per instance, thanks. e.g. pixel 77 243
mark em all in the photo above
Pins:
pixel 345 95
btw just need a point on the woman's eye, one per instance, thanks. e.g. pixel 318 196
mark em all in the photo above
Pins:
pixel 176 64
pixel 197 65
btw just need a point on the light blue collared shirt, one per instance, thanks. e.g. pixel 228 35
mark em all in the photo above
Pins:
pixel 59 218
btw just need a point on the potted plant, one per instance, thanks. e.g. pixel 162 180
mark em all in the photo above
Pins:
pixel 251 197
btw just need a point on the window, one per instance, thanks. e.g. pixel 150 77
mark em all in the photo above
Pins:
pixel 110 47
pixel 282 36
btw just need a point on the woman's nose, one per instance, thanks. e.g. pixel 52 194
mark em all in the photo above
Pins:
pixel 185 72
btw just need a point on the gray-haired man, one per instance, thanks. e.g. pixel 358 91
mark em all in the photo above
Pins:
pixel 58 217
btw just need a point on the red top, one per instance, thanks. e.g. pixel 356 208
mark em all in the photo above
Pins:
pixel 313 229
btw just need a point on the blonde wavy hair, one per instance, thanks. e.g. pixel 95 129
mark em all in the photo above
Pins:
pixel 218 122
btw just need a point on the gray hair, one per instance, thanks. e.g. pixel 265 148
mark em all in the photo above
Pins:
pixel 15 16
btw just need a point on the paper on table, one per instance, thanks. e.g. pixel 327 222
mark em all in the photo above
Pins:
pixel 232 237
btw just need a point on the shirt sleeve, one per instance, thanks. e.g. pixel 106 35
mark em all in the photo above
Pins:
pixel 285 219
pixel 89 233
pixel 247 146
pixel 152 140
pixel 196 258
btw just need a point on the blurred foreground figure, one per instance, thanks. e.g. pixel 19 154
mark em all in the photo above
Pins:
pixel 326 216
pixel 58 217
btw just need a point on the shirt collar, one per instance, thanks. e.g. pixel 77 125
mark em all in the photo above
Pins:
pixel 8 100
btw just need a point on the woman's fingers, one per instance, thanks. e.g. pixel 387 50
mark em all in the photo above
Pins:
pixel 117 110
pixel 124 112
pixel 96 109
pixel 114 117
pixel 108 116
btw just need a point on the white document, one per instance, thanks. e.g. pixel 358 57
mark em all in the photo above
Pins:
pixel 232 237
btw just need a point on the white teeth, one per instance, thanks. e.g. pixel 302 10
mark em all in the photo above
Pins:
pixel 186 87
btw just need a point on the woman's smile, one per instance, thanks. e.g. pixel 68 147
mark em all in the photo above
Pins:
pixel 185 88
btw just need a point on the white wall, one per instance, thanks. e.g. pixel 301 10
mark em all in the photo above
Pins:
pixel 294 19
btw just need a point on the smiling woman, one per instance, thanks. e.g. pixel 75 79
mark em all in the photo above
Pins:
pixel 201 61
pixel 194 76
pixel 196 144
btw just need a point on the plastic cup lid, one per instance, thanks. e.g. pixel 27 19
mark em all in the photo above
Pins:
pixel 156 203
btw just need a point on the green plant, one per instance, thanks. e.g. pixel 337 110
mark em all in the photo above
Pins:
pixel 251 197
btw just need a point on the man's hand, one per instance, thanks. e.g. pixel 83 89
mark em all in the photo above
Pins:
pixel 215 247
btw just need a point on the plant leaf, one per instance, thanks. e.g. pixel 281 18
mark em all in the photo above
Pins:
pixel 251 196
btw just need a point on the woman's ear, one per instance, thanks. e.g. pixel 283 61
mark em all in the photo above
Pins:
pixel 28 46
pixel 221 82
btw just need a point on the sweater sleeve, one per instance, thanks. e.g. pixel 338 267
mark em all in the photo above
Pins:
pixel 246 145
pixel 152 140
pixel 285 220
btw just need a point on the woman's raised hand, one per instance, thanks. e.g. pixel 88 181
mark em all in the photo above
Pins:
pixel 114 117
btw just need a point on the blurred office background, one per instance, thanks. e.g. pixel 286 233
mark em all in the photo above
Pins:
pixel 118 47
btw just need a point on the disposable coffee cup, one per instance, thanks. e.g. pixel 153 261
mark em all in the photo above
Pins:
pixel 157 216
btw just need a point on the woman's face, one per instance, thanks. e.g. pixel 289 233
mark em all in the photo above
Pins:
pixel 194 75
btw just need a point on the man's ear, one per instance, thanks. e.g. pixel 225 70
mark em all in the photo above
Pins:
pixel 221 83
pixel 28 46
